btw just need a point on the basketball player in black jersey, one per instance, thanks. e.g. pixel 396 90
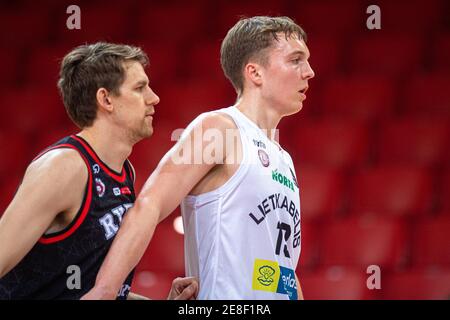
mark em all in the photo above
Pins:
pixel 74 195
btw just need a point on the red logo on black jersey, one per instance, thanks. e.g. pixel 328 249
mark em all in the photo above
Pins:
pixel 125 190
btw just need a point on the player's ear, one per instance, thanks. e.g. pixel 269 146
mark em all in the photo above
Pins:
pixel 253 72
pixel 104 100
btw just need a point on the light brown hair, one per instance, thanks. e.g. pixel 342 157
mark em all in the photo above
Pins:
pixel 248 39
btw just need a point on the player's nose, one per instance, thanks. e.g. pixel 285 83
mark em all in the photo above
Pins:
pixel 308 72
pixel 152 98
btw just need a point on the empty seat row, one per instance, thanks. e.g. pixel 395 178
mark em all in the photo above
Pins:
pixel 344 143
pixel 338 283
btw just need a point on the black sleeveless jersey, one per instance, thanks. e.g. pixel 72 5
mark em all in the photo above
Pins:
pixel 64 265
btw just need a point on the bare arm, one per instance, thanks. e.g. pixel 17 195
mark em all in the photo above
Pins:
pixel 135 296
pixel 43 194
pixel 299 289
pixel 161 194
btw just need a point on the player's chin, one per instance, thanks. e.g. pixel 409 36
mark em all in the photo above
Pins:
pixel 147 131
pixel 295 108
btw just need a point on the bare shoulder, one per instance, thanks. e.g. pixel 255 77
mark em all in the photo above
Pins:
pixel 52 184
pixel 206 122
pixel 58 165
pixel 218 120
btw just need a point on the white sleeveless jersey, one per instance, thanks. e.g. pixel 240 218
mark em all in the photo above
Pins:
pixel 242 240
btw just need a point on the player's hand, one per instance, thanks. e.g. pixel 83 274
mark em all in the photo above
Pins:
pixel 97 293
pixel 184 289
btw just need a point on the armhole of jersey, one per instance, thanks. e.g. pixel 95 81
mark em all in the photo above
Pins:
pixel 236 177
pixel 84 208
pixel 132 171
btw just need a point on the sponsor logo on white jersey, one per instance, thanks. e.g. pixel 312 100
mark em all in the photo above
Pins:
pixel 263 157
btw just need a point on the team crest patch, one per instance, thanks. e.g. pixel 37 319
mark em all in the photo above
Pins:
pixel 263 157
pixel 100 187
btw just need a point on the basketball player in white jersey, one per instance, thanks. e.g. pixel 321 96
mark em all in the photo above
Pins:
pixel 239 199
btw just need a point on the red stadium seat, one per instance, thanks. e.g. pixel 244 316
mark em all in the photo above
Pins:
pixel 364 241
pixel 44 64
pixel 335 283
pixel 204 61
pixel 426 18
pixel 329 142
pixel 417 284
pixel 29 110
pixel 166 250
pixel 389 55
pixel 309 247
pixel 174 23
pixel 15 152
pixel 98 23
pixel 417 141
pixel 361 97
pixel 431 242
pixel 392 190
pixel 441 52
pixel 183 102
pixel 25 28
pixel 321 192
pixel 428 94
pixel 312 14
pixel 444 200
pixel 11 68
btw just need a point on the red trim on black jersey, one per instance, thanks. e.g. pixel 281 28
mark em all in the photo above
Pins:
pixel 131 169
pixel 86 205
pixel 119 178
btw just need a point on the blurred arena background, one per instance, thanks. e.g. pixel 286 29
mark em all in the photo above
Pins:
pixel 371 145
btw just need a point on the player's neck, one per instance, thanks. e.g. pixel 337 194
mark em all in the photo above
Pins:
pixel 112 149
pixel 259 112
